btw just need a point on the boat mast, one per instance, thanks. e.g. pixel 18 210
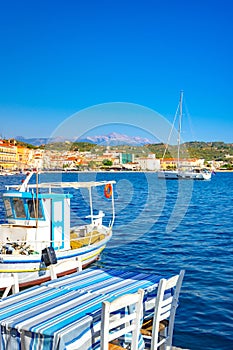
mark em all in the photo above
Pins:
pixel 37 200
pixel 179 130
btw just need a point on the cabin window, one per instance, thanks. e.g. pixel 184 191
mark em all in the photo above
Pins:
pixel 32 208
pixel 19 208
pixel 9 213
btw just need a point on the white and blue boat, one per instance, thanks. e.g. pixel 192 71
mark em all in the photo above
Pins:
pixel 37 232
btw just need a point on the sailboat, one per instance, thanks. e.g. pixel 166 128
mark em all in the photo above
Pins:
pixel 180 173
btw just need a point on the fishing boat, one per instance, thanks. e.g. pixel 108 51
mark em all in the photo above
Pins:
pixel 181 173
pixel 36 233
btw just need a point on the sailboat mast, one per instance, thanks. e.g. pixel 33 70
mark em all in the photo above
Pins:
pixel 179 130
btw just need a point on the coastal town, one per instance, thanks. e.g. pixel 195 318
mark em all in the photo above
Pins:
pixel 19 157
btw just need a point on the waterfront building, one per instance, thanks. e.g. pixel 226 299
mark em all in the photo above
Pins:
pixel 126 158
pixel 24 158
pixel 37 161
pixel 171 163
pixel 149 163
pixel 8 158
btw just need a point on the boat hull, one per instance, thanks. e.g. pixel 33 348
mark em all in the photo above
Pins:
pixel 31 271
pixel 170 175
pixel 184 175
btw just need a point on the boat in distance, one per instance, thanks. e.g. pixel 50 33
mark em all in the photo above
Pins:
pixel 193 174
pixel 36 233
pixel 182 173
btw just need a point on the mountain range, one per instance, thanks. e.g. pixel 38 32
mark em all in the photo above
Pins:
pixel 113 139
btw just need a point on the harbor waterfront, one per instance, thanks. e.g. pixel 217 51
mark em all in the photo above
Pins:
pixel 200 242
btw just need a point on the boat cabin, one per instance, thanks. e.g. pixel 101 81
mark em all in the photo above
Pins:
pixel 39 219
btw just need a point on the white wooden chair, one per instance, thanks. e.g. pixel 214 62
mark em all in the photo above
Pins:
pixel 63 266
pixel 8 283
pixel 114 324
pixel 158 332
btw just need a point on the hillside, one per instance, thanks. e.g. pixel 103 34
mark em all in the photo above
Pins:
pixel 207 150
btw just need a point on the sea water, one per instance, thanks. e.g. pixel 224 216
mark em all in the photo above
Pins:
pixel 163 226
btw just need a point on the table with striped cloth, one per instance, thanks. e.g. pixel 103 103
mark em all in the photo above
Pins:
pixel 66 313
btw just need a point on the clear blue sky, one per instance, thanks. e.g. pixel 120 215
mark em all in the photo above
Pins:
pixel 58 57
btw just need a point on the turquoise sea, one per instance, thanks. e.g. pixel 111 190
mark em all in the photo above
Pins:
pixel 162 227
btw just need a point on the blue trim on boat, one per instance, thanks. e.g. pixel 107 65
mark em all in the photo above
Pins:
pixel 39 195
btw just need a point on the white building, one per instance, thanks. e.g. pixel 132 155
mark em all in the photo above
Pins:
pixel 149 163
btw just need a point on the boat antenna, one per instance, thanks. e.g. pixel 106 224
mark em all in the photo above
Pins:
pixel 179 128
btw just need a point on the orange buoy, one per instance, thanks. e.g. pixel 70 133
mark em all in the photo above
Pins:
pixel 108 191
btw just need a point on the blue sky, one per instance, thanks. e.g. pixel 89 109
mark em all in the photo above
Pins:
pixel 60 57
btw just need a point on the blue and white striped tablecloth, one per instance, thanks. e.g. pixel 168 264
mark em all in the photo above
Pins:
pixel 109 281
pixel 66 313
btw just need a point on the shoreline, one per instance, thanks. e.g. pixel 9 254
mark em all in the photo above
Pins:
pixel 100 171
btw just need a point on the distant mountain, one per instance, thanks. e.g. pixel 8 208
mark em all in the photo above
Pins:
pixel 38 141
pixel 32 141
pixel 113 139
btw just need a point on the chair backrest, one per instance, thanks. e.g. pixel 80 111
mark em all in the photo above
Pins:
pixel 65 266
pixel 114 323
pixel 165 309
pixel 8 283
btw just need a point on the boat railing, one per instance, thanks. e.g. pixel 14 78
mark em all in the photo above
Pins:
pixel 35 247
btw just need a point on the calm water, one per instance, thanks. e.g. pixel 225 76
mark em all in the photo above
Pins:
pixel 164 226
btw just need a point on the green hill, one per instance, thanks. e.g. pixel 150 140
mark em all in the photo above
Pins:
pixel 195 149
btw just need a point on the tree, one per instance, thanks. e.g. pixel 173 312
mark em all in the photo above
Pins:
pixel 107 162
pixel 92 164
